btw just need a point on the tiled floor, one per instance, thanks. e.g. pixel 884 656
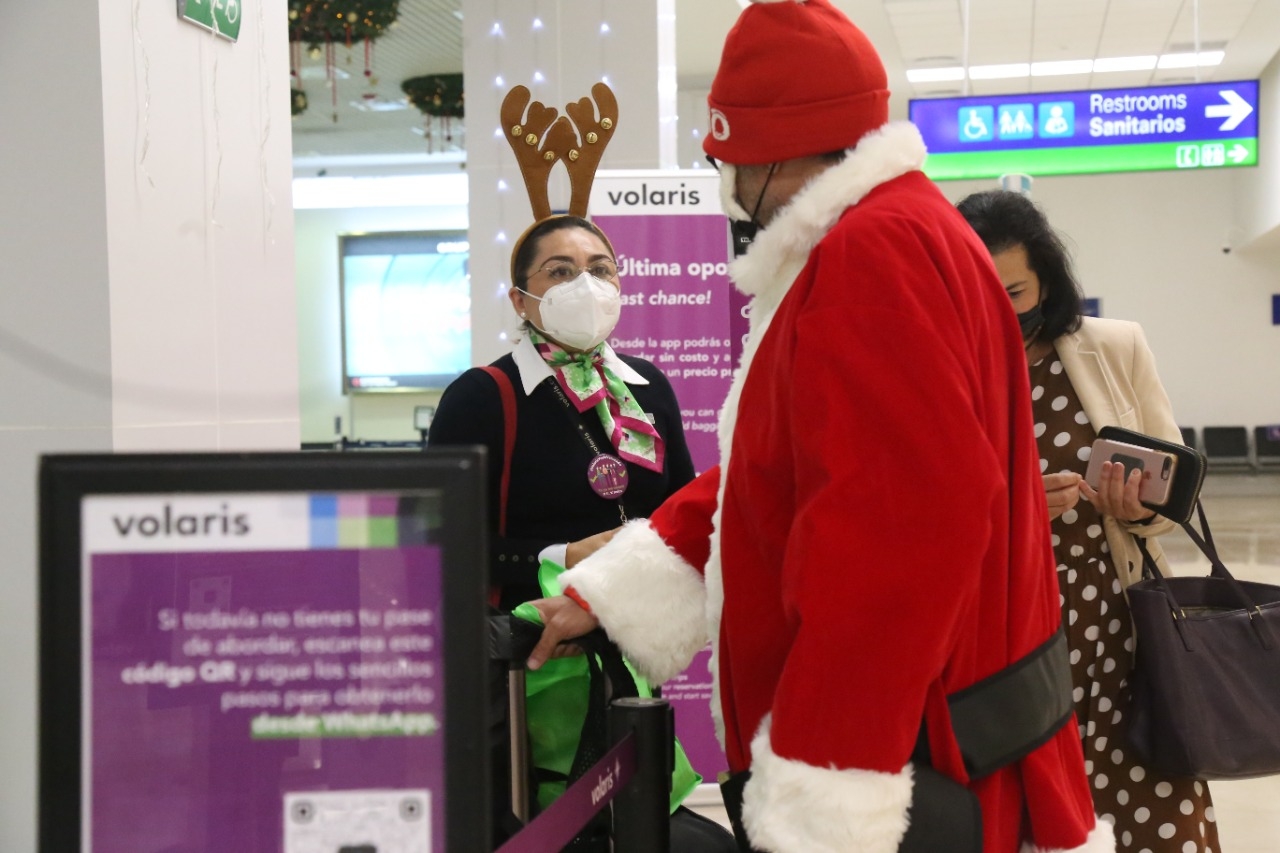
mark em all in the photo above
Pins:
pixel 1244 511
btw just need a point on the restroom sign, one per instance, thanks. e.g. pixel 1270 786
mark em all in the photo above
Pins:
pixel 1200 126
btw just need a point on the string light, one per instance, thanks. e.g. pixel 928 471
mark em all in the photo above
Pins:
pixel 537 23
pixel 497 81
pixel 604 28
pixel 502 185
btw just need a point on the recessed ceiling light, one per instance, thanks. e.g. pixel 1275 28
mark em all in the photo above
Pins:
pixel 1125 63
pixel 999 72
pixel 1191 60
pixel 935 75
pixel 1058 69
pixel 380 105
pixel 320 72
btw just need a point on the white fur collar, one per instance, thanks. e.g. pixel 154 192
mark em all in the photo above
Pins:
pixel 880 156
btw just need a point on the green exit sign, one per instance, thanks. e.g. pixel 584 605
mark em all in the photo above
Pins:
pixel 220 17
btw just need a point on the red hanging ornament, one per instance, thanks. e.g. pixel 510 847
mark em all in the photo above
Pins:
pixel 333 77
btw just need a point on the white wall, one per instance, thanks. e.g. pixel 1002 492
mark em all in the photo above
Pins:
pixel 1258 214
pixel 364 416
pixel 54 348
pixel 197 148
pixel 1151 247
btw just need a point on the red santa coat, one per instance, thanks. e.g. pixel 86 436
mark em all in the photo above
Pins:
pixel 878 538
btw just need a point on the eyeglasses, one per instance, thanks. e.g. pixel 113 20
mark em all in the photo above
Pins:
pixel 563 271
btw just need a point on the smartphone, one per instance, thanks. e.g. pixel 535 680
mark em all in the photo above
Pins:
pixel 1157 468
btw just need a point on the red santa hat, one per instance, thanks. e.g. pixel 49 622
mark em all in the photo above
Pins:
pixel 796 78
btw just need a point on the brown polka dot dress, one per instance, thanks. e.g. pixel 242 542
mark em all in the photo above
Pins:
pixel 1151 813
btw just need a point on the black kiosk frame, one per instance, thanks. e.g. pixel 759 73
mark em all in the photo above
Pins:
pixel 444 491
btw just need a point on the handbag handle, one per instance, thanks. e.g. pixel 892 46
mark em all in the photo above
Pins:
pixel 1217 569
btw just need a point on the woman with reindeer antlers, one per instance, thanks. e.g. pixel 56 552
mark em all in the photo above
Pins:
pixel 580 437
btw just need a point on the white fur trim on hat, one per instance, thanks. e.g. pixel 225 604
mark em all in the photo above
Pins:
pixel 788 805
pixel 647 598
pixel 762 2
pixel 1101 840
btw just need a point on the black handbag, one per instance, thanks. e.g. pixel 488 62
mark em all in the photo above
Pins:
pixel 1206 681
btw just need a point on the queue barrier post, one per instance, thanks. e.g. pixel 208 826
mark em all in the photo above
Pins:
pixel 641 810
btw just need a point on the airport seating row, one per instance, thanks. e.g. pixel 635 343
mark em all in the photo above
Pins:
pixel 1237 448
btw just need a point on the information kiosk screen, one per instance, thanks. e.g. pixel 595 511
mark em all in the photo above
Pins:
pixel 266 652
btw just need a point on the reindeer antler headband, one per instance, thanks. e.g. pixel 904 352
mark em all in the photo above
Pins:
pixel 541 139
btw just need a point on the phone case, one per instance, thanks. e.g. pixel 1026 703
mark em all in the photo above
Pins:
pixel 1188 473
pixel 1158 468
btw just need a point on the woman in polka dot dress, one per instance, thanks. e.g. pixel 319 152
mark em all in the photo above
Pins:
pixel 1087 373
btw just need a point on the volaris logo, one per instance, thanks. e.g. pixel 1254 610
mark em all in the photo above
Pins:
pixel 169 523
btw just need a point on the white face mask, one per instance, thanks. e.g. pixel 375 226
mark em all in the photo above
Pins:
pixel 580 313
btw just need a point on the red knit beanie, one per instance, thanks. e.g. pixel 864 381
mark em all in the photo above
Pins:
pixel 796 78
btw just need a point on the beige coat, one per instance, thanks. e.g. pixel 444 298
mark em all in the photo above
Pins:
pixel 1114 374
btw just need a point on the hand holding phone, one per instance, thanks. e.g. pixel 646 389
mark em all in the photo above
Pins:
pixel 1157 468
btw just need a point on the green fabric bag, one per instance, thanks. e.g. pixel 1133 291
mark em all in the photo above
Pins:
pixel 556 705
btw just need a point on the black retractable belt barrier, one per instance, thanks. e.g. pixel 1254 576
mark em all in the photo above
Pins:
pixel 634 775
pixel 642 811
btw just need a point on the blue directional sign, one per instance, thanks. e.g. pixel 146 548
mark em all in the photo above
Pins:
pixel 1199 126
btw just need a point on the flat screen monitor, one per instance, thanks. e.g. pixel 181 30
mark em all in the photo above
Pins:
pixel 406 310
pixel 282 653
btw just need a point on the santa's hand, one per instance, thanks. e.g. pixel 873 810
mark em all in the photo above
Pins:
pixel 562 619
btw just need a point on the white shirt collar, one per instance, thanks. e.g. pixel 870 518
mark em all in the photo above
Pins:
pixel 534 370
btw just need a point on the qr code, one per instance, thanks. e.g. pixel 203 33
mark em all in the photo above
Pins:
pixel 358 822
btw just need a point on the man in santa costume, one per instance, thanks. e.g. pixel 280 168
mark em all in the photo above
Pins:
pixel 871 558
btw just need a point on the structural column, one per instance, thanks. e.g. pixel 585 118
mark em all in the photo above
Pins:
pixel 147 298
pixel 558 49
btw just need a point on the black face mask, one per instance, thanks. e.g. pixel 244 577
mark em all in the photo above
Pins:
pixel 1031 321
pixel 743 233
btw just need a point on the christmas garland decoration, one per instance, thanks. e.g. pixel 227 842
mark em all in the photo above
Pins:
pixel 437 95
pixel 319 22
pixel 297 101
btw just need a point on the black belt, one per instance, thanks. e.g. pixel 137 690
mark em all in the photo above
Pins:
pixel 996 721
pixel 1010 713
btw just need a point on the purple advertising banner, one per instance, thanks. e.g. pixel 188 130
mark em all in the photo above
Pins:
pixel 690 696
pixel 679 309
pixel 682 313
pixel 283 700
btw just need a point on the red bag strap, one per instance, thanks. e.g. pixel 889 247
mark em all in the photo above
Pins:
pixel 508 395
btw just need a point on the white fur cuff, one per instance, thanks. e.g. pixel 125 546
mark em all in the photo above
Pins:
pixel 1101 840
pixel 647 598
pixel 788 805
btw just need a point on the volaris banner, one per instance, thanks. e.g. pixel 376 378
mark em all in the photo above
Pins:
pixel 680 312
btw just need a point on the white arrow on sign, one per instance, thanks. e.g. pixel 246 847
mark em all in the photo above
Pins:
pixel 1238 153
pixel 1235 110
